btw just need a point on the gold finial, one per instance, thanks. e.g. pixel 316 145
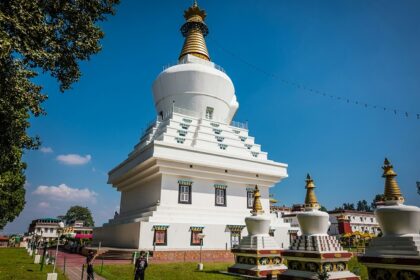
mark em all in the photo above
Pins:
pixel 256 206
pixel 194 30
pixel 392 191
pixel 310 200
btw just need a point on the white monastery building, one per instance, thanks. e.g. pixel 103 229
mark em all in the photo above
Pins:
pixel 194 170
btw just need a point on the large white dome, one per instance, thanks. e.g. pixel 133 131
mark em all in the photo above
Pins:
pixel 198 86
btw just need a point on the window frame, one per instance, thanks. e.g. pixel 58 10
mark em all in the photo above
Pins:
pixel 247 199
pixel 179 194
pixel 235 234
pixel 201 242
pixel 165 237
pixel 224 197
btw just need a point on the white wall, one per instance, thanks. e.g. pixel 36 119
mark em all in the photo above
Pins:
pixel 141 196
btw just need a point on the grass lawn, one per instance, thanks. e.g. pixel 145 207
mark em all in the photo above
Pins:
pixel 188 271
pixel 16 264
pixel 182 271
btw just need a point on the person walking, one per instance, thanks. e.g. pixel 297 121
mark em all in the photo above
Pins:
pixel 89 262
pixel 140 266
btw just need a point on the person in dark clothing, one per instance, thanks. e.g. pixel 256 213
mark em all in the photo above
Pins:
pixel 140 266
pixel 89 263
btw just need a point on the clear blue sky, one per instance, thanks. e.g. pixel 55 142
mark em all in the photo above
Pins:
pixel 363 50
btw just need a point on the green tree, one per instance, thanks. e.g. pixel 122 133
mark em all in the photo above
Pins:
pixel 378 198
pixel 348 206
pixel 322 208
pixel 43 36
pixel 362 205
pixel 79 213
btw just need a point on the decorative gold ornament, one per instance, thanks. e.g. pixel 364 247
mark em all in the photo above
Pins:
pixel 310 199
pixel 194 30
pixel 256 206
pixel 392 191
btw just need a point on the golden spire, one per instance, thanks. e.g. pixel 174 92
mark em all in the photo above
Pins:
pixel 194 30
pixel 256 206
pixel 310 199
pixel 392 190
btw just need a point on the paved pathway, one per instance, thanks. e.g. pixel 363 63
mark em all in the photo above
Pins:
pixel 74 263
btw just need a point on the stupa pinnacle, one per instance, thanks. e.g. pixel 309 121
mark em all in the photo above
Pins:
pixel 310 199
pixel 257 207
pixel 194 30
pixel 392 191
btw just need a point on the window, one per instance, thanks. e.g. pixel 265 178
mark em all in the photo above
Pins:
pixel 249 199
pixel 209 113
pixel 220 139
pixel 182 132
pixel 214 124
pixel 180 140
pixel 243 138
pixel 371 220
pixel 222 146
pixel 248 146
pixel 186 120
pixel 235 238
pixel 236 131
pixel 271 232
pixel 184 126
pixel 196 232
pixel 217 131
pixel 220 196
pixel 184 192
pixel 160 237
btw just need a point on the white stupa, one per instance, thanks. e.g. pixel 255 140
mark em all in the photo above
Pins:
pixel 258 253
pixel 315 251
pixel 396 254
pixel 193 171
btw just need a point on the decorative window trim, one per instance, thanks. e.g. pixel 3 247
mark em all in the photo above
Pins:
pixel 187 120
pixel 214 124
pixel 180 140
pixel 220 138
pixel 185 182
pixel 243 138
pixel 182 132
pixel 217 131
pixel 216 190
pixel 248 146
pixel 255 154
pixel 222 146
pixel 196 228
pixel 209 113
pixel 250 189
pixel 184 126
pixel 160 227
pixel 220 186
pixel 235 228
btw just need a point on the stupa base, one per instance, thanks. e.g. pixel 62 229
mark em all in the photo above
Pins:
pixel 256 271
pixel 307 264
pixel 306 275
pixel 392 267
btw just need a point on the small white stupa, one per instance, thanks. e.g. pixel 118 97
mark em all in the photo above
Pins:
pixel 258 254
pixel 396 254
pixel 315 251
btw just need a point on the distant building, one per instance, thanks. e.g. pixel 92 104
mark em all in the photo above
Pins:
pixel 45 228
pixel 77 230
pixel 347 221
pixel 4 241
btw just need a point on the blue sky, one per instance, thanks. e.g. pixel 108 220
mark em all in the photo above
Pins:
pixel 362 50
